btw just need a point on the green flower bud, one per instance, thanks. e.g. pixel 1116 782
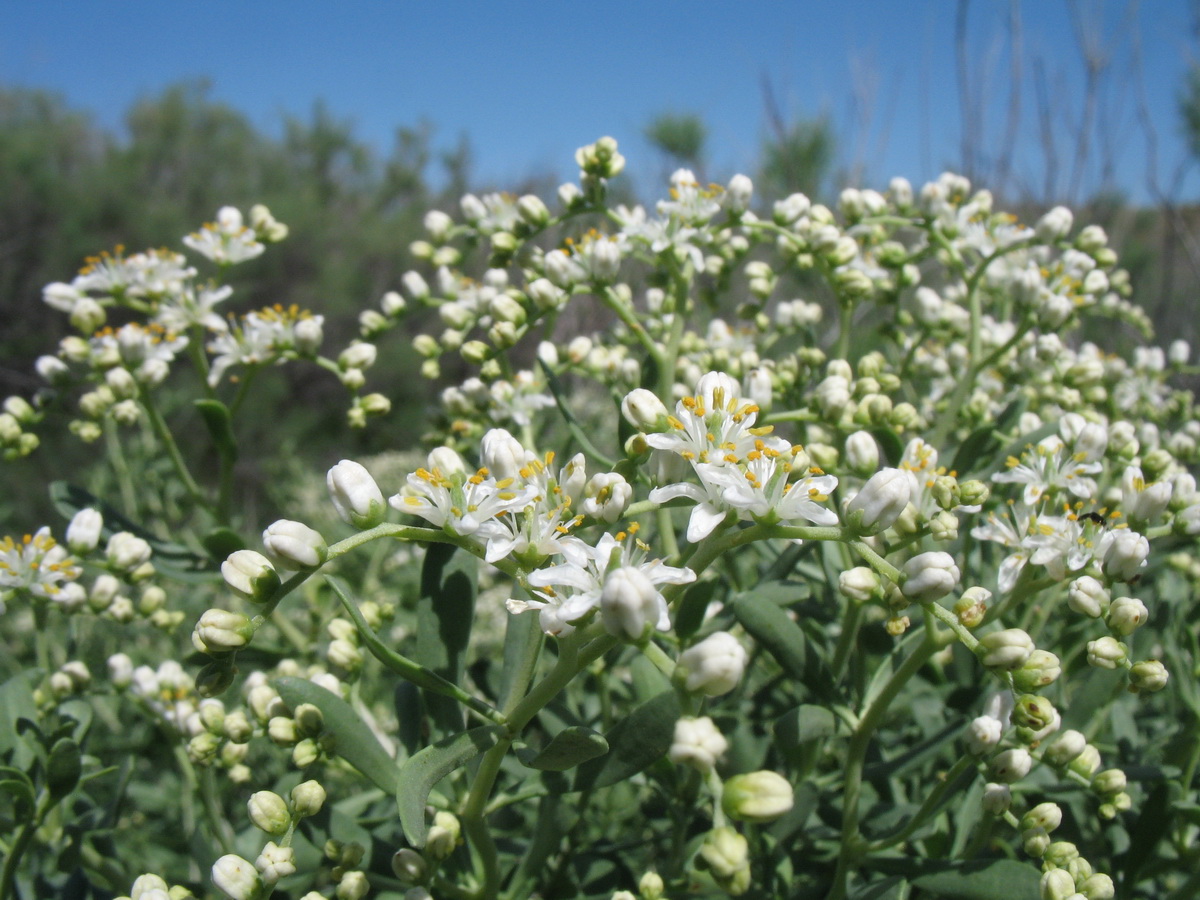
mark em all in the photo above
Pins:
pixel 269 812
pixel 1033 712
pixel 1106 653
pixel 220 630
pixel 1041 669
pixel 309 719
pixel 1045 815
pixel 761 796
pixel 726 856
pixel 1149 675
pixel 305 753
pixel 444 835
pixel 307 798
pixel 1005 650
pixel 971 607
pixel 1098 887
pixel 1110 781
pixel 251 575
pixel 1086 763
pixel 1057 884
pixel 409 866
pixel 650 886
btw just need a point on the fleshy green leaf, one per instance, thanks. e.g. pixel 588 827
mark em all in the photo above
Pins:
pixel 426 768
pixel 63 768
pixel 890 443
pixel 356 743
pixel 690 615
pixel 220 426
pixel 445 611
pixel 771 626
pixel 567 749
pixel 807 723
pixel 634 743
pixel 1001 879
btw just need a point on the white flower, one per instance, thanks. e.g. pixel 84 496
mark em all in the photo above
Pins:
pixel 458 504
pixel 1141 501
pixel 227 240
pixel 583 576
pixel 1050 466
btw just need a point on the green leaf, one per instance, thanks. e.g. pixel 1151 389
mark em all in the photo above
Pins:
pixel 426 768
pixel 1153 823
pixel 356 743
pixel 169 557
pixel 567 749
pixel 638 740
pixel 893 888
pixel 1001 879
pixel 63 768
pixel 522 646
pixel 445 611
pixel 892 446
pixel 690 615
pixel 220 426
pixel 807 723
pixel 982 442
pixel 774 629
pixel 16 702
pixel 221 542
pixel 16 784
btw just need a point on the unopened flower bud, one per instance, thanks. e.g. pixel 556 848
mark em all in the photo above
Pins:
pixel 698 743
pixel 269 812
pixel 862 453
pixel 359 355
pixel 860 584
pixel 1086 763
pixel 307 798
pixel 221 630
pixel 930 575
pixel 761 796
pixel 631 605
pixel 251 575
pixel 355 495
pixel 120 670
pixel 353 886
pixel 1054 225
pixel 308 335
pixel 83 534
pixel 1086 595
pixel 1011 765
pixel 714 666
pixel 1125 614
pixel 409 866
pixel 726 856
pixel 295 545
pixel 236 878
pixel 1033 712
pixel 1106 653
pixel 275 862
pixel 606 496
pixel 1097 886
pixel 1126 554
pixel 444 835
pixel 997 798
pixel 880 503
pixel 1057 884
pixel 971 607
pixel 1110 781
pixel 1040 669
pixel 1005 650
pixel 644 411
pixel 126 551
pixel 1149 675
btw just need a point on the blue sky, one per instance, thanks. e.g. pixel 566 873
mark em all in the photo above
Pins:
pixel 528 82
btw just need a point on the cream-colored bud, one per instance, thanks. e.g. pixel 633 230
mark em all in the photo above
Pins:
pixel 761 796
pixel 269 812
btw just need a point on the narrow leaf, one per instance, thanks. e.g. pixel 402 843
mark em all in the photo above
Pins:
pixel 1001 879
pixel 356 743
pixel 567 749
pixel 426 768
pixel 63 768
pixel 220 426
pixel 445 611
pixel 807 723
pixel 634 743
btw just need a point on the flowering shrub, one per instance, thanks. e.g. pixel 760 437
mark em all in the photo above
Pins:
pixel 695 592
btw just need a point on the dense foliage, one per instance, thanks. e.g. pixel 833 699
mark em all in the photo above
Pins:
pixel 757 547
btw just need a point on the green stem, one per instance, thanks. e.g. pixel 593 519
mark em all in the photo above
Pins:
pixel 163 433
pixel 932 803
pixel 112 446
pixel 217 819
pixel 853 846
pixel 20 845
